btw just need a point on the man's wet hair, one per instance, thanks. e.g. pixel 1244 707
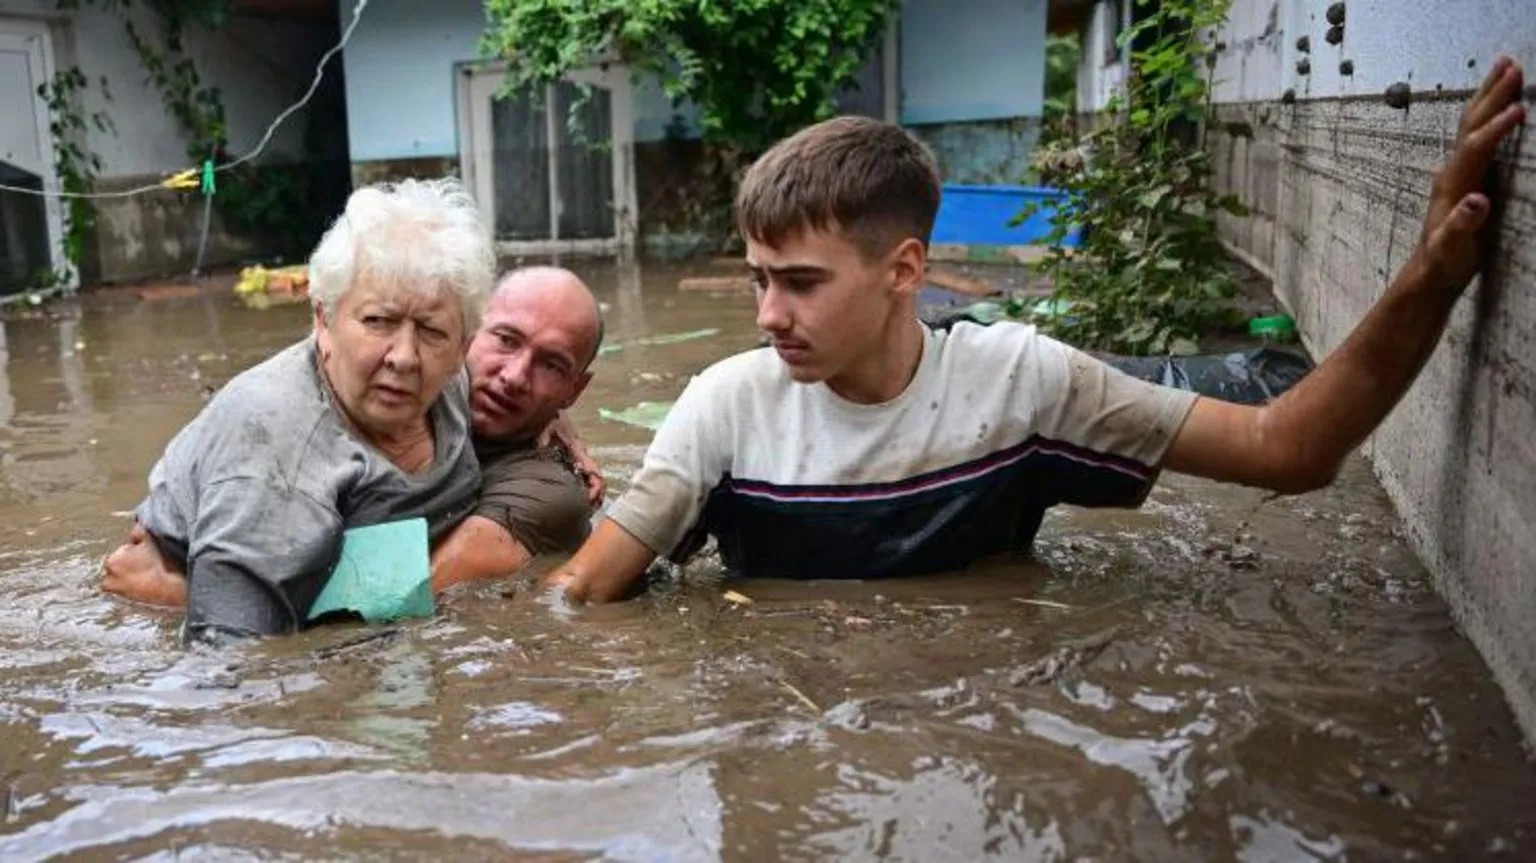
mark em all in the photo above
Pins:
pixel 871 181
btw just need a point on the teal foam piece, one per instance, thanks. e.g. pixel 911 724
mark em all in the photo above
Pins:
pixel 384 573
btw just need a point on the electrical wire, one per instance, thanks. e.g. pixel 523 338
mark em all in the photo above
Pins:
pixel 346 35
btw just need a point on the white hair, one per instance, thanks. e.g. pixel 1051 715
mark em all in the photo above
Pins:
pixel 421 235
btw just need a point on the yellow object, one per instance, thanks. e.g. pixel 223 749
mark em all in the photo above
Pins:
pixel 261 288
pixel 187 179
pixel 738 598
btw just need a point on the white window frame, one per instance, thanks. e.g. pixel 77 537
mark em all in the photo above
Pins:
pixel 477 84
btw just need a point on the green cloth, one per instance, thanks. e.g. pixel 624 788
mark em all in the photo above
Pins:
pixel 384 573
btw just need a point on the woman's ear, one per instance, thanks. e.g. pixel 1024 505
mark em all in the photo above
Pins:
pixel 322 332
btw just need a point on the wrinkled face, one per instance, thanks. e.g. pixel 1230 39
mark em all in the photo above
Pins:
pixel 527 362
pixel 388 352
pixel 824 305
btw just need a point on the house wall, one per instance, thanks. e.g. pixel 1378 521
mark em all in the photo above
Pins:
pixel 1338 181
pixel 260 67
pixel 973 84
pixel 401 93
pixel 1100 71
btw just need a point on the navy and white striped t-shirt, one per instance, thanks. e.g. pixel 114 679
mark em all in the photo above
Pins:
pixel 998 424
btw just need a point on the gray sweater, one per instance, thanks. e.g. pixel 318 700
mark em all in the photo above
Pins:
pixel 252 496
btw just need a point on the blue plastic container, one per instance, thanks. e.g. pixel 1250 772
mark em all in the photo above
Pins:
pixel 979 216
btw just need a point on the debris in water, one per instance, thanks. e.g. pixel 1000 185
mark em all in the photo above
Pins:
pixel 715 284
pixel 732 596
pixel 1335 14
pixel 261 288
pixel 1241 557
pixel 1043 603
pixel 646 415
pixel 1051 667
pixel 663 339
pixel 1399 96
pixel 800 696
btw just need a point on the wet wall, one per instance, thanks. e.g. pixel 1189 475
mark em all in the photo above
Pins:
pixel 1337 174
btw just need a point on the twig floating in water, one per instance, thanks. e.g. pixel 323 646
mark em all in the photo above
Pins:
pixel 1044 603
pixel 801 696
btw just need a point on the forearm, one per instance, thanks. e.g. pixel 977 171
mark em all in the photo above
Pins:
pixel 605 568
pixel 227 601
pixel 1332 410
pixel 479 548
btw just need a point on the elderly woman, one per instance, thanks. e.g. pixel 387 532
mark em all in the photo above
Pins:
pixel 365 421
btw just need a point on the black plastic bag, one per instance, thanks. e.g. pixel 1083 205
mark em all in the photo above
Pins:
pixel 1249 377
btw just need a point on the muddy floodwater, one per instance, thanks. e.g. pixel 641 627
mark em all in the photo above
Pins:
pixel 1215 676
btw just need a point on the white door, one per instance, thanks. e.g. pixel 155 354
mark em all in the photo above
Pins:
pixel 31 227
pixel 554 171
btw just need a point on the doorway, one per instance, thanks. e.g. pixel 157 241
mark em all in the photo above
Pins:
pixel 552 169
pixel 31 226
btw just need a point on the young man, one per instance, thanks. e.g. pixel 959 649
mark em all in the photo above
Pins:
pixel 865 445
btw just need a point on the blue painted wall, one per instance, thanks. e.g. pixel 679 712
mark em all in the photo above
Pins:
pixel 399 65
pixel 964 60
pixel 961 60
pixel 400 89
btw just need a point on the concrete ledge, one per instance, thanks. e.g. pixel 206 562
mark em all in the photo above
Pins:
pixel 962 253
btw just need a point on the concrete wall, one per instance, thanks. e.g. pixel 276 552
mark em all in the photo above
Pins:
pixel 975 60
pixel 259 65
pixel 1339 180
pixel 972 78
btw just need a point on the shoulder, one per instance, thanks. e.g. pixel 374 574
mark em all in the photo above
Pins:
pixel 727 391
pixel 748 371
pixel 265 414
pixel 967 341
pixel 537 498
pixel 285 382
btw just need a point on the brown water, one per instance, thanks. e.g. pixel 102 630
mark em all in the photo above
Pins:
pixel 1129 694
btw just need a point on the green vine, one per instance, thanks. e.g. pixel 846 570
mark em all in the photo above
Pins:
pixel 756 69
pixel 75 165
pixel 1150 275
pixel 269 202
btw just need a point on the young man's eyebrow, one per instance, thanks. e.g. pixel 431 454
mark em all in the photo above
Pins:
pixel 791 270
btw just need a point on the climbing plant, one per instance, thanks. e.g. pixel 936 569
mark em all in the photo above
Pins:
pixel 264 201
pixel 74 163
pixel 1150 275
pixel 756 69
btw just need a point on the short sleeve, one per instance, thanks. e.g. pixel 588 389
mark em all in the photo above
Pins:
pixel 686 460
pixel 260 554
pixel 1114 426
pixel 539 500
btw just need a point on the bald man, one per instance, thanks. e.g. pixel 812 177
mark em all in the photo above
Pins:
pixel 529 361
